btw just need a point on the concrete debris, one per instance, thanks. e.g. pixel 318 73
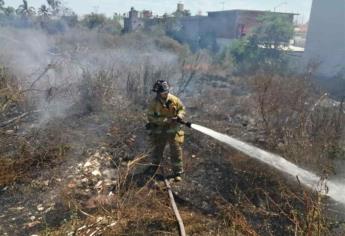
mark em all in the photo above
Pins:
pixel 96 173
pixel 40 207
pixel 32 224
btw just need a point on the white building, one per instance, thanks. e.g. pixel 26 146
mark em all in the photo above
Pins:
pixel 326 37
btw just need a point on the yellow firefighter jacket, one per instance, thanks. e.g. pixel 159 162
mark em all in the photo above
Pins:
pixel 160 112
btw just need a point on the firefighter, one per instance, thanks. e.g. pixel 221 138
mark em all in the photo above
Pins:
pixel 164 114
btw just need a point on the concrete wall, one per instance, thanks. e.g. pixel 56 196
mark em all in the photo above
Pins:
pixel 192 26
pixel 222 24
pixel 326 36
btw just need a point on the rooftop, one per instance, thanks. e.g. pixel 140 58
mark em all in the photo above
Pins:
pixel 258 11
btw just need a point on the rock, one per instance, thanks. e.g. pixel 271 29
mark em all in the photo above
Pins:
pixel 112 224
pixel 40 207
pixel 97 155
pixel 87 164
pixel 32 224
pixel 96 173
pixel 108 182
pixel 16 208
pixel 10 131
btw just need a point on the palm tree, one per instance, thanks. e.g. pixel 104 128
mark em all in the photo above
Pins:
pixel 43 11
pixel 54 5
pixel 9 11
pixel 2 4
pixel 24 10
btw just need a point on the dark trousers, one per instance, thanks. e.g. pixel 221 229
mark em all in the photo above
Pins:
pixel 175 141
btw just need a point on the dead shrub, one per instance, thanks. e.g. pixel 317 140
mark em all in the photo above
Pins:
pixel 293 119
pixel 9 91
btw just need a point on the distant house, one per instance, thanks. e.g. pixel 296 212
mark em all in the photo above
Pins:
pixel 219 26
pixel 224 26
pixel 133 22
pixel 233 24
pixel 300 35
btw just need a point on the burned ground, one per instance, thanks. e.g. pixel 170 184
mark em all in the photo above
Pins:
pixel 78 171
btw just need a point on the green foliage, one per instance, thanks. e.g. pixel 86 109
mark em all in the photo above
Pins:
pixel 208 41
pixel 25 10
pixel 263 49
pixel 54 17
pixel 71 19
pixel 274 30
pixel 43 11
pixel 10 11
pixel 94 20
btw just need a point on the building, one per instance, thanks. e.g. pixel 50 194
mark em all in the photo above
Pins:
pixel 224 26
pixel 133 22
pixel 146 14
pixel 300 35
pixel 180 7
pixel 325 43
pixel 218 27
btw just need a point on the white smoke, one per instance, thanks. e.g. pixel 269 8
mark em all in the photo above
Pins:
pixel 51 63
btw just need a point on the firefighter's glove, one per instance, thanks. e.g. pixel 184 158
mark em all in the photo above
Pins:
pixel 176 119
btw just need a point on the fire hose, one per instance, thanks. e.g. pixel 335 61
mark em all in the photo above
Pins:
pixel 182 231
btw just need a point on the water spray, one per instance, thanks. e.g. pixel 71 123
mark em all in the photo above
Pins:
pixel 331 188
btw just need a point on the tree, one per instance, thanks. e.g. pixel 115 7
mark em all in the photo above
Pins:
pixel 274 31
pixel 54 6
pixel 10 11
pixel 94 20
pixel 2 8
pixel 24 10
pixel 2 4
pixel 263 49
pixel 70 19
pixel 43 11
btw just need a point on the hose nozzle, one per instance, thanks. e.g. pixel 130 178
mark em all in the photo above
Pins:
pixel 186 123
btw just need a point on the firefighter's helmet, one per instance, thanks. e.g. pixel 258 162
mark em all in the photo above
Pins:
pixel 161 86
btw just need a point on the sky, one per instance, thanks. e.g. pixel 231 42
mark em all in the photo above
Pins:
pixel 160 7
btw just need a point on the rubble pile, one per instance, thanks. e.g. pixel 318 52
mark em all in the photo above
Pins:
pixel 93 180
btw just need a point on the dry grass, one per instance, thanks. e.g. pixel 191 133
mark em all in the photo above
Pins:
pixel 295 121
pixel 122 93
